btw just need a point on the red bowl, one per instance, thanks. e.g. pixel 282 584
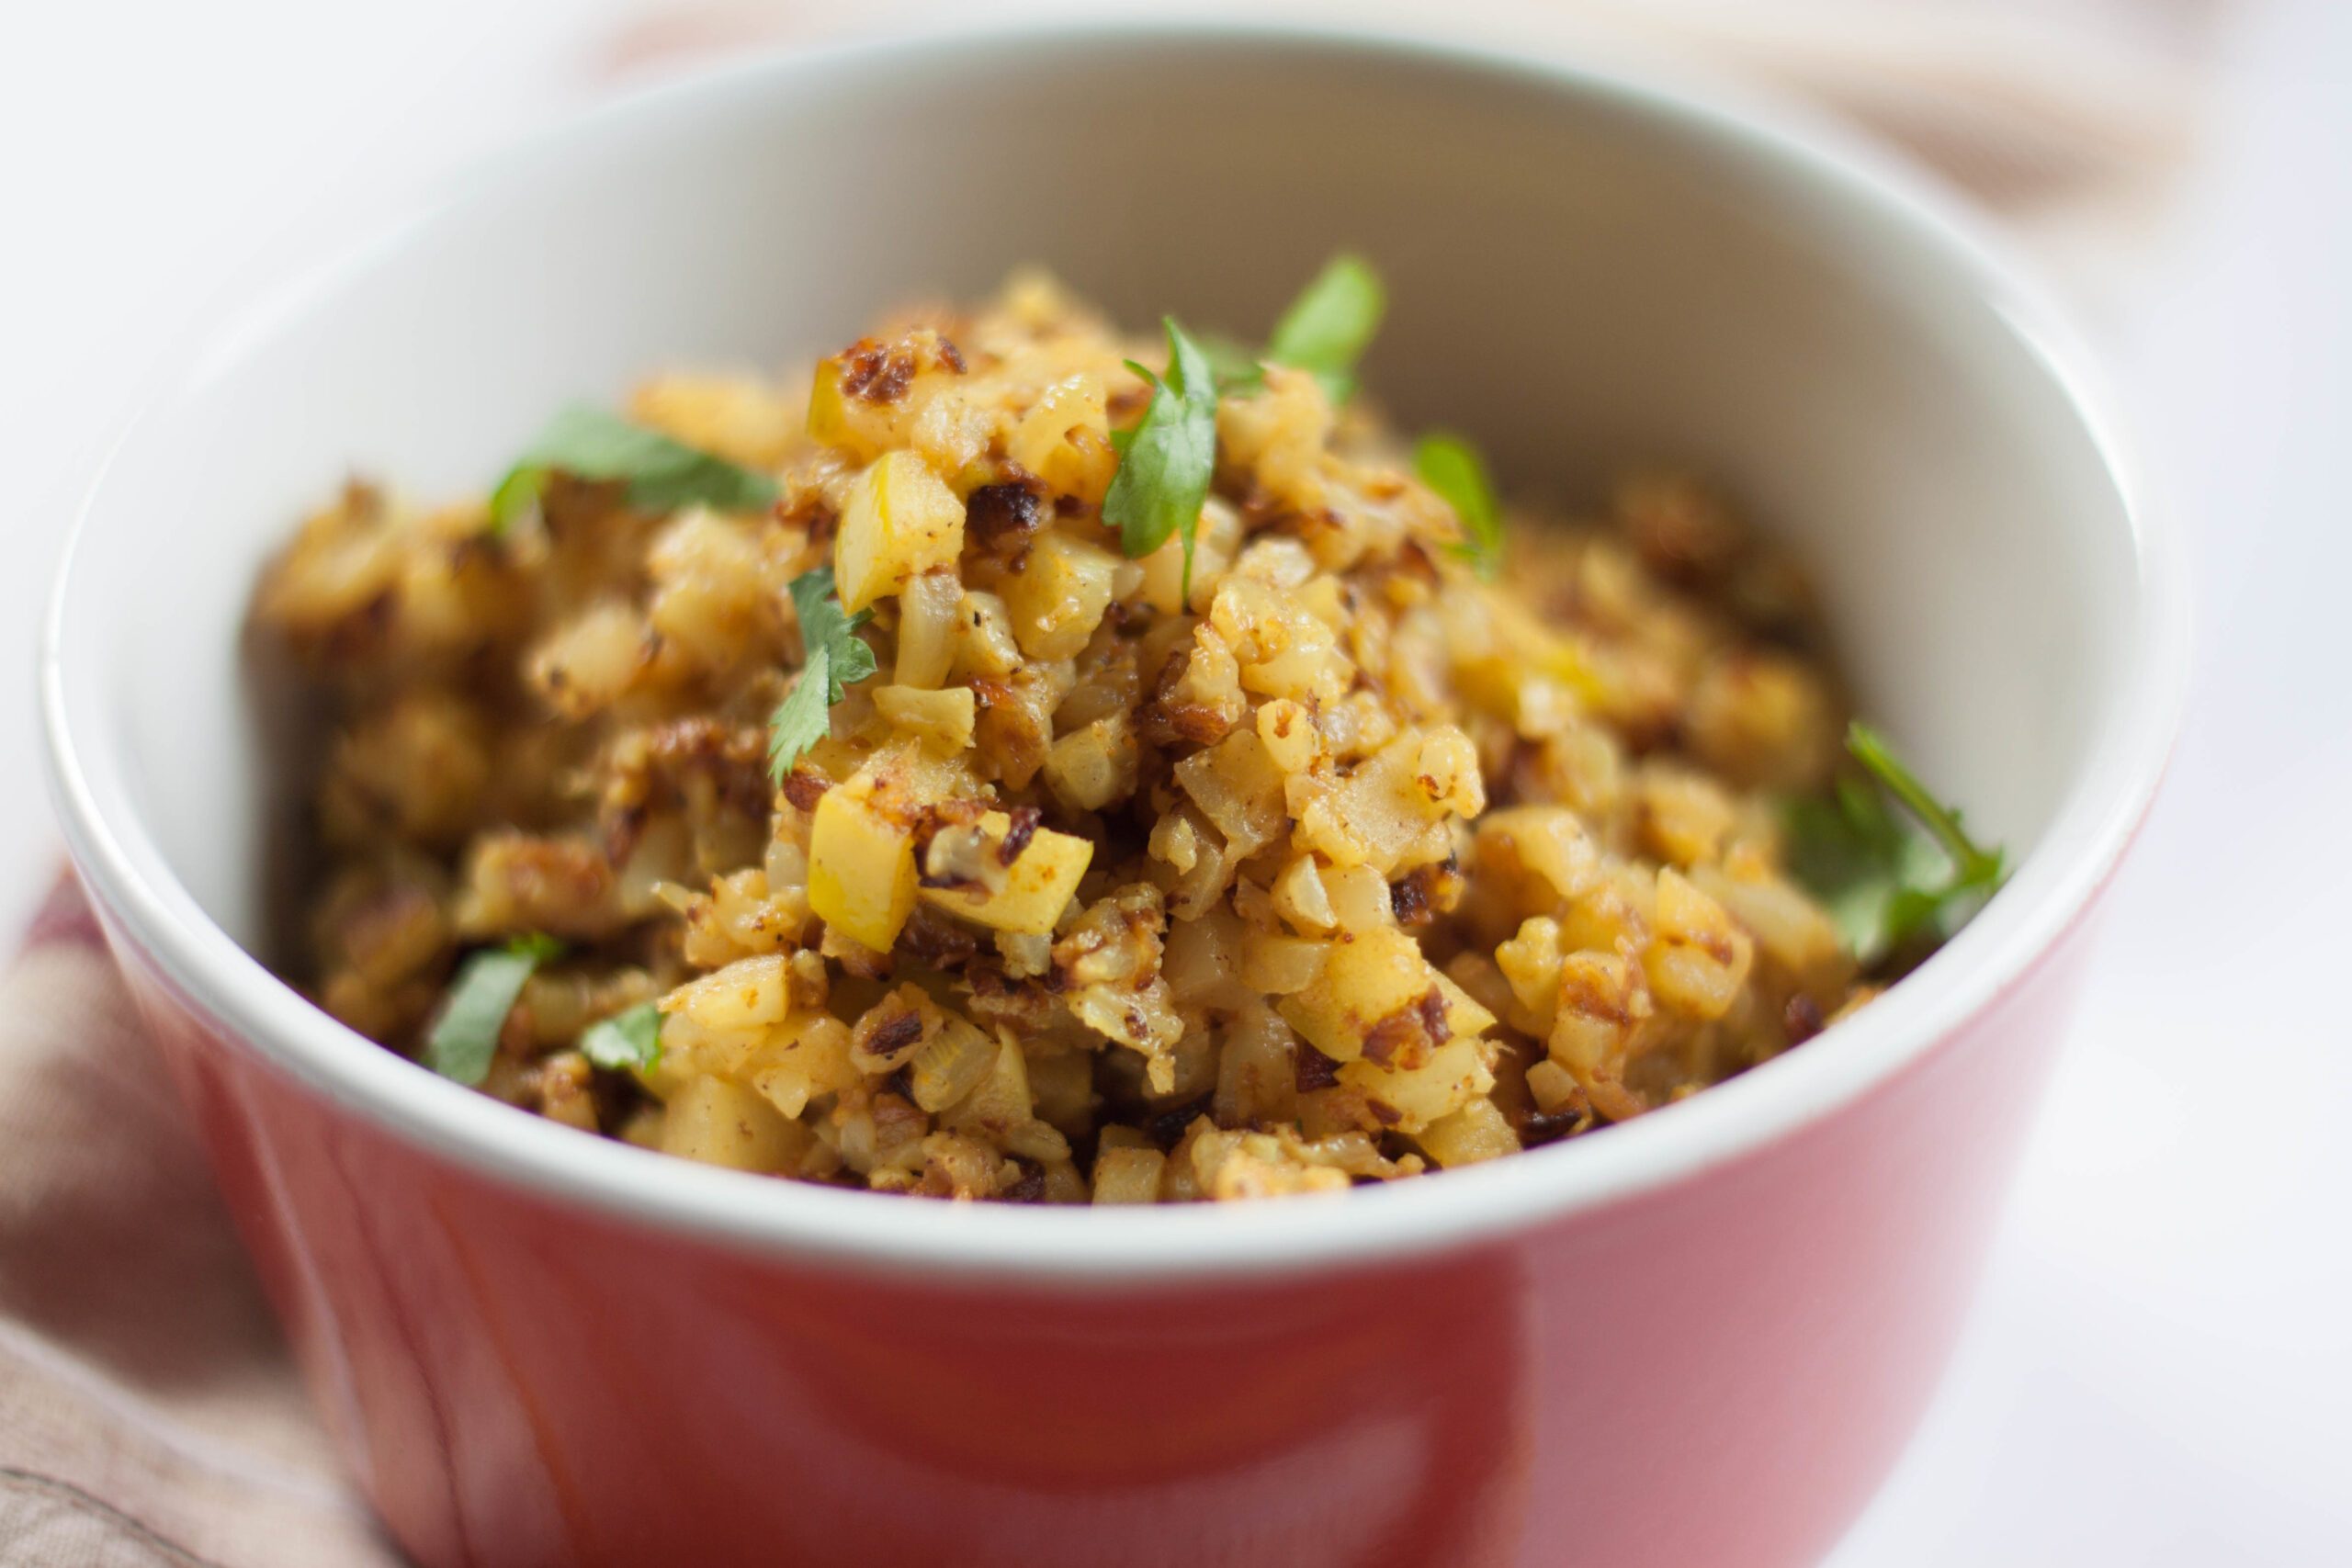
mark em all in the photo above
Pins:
pixel 1700 1338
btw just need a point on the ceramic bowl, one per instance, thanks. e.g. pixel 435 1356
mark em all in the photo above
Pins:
pixel 1700 1337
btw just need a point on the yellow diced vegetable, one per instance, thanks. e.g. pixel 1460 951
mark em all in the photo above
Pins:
pixel 1381 972
pixel 741 996
pixel 720 1122
pixel 807 1055
pixel 1038 885
pixel 828 410
pixel 1477 1131
pixel 1060 595
pixel 1065 439
pixel 1553 1086
pixel 1454 1074
pixel 941 719
pixel 1280 965
pixel 1700 956
pixel 927 613
pixel 950 1065
pixel 735 417
pixel 1128 1175
pixel 901 520
pixel 861 868
pixel 1095 766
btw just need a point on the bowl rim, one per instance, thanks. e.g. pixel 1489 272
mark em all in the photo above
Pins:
pixel 2107 797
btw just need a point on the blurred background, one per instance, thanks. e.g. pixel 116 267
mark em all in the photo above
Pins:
pixel 2160 1369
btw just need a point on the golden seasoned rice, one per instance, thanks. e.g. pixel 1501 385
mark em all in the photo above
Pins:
pixel 1344 865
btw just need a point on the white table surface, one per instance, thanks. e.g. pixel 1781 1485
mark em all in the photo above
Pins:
pixel 2159 1371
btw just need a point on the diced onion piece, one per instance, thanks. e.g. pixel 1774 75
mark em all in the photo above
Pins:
pixel 1095 766
pixel 1477 1131
pixel 1301 898
pixel 950 1064
pixel 927 610
pixel 1000 1101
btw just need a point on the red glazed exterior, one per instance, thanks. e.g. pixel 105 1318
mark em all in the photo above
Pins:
pixel 515 1381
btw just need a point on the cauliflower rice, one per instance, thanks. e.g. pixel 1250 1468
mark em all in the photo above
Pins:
pixel 1345 866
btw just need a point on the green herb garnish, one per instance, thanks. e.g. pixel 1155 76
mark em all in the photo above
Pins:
pixel 625 1040
pixel 465 1037
pixel 1166 460
pixel 1235 364
pixel 1452 466
pixel 663 475
pixel 1331 325
pixel 836 658
pixel 1324 333
pixel 1886 883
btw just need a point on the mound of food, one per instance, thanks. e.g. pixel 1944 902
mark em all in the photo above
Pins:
pixel 1011 771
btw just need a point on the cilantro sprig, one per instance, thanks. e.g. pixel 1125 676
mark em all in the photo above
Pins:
pixel 1889 884
pixel 1330 325
pixel 1237 367
pixel 1166 460
pixel 628 1040
pixel 835 658
pixel 1451 466
pixel 1324 331
pixel 663 475
pixel 465 1037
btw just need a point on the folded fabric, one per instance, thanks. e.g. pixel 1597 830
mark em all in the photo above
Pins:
pixel 149 1413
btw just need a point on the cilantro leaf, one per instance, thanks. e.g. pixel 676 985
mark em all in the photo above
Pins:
pixel 1887 884
pixel 662 474
pixel 1235 363
pixel 626 1040
pixel 1331 325
pixel 802 720
pixel 824 628
pixel 1855 855
pixel 465 1037
pixel 835 657
pixel 1449 465
pixel 1324 333
pixel 1166 461
pixel 1971 864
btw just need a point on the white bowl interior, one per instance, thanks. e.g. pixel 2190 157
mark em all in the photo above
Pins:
pixel 1578 278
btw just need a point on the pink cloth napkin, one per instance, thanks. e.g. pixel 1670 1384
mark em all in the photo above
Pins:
pixel 149 1413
